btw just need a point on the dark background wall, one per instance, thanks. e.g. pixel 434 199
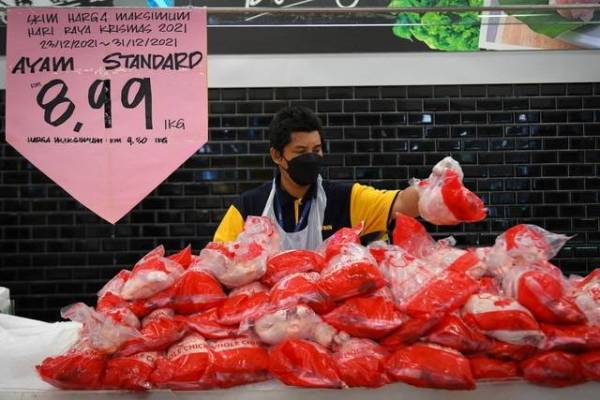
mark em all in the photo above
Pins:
pixel 531 151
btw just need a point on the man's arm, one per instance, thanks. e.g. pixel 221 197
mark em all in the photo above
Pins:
pixel 407 203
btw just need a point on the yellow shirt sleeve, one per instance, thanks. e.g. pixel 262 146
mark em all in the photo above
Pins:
pixel 230 227
pixel 372 206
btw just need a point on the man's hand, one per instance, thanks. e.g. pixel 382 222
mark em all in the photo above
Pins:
pixel 407 203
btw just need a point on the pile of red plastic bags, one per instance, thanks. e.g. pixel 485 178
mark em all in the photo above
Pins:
pixel 417 311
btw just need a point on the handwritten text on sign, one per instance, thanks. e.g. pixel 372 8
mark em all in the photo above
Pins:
pixel 107 102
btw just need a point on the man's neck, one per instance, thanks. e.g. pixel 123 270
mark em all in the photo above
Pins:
pixel 292 187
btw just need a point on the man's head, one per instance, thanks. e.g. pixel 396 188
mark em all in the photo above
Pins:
pixel 295 132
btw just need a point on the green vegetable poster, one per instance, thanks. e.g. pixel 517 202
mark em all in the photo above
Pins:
pixel 264 33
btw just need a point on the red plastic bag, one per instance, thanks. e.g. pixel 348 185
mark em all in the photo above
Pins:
pixel 485 368
pixel 80 368
pixel 185 366
pixel 297 362
pixel 243 303
pixel 378 249
pixel 115 285
pixel 239 361
pixel 297 322
pixel 576 338
pixel 112 305
pixel 443 200
pixel 150 277
pixel 394 262
pixel 555 368
pixel 411 331
pixel 162 299
pixel 453 332
pixel 366 317
pixel 159 330
pixel 334 244
pixel 532 243
pixel 544 295
pixel 502 318
pixel 130 373
pixel 184 257
pixel 360 363
pixel 289 262
pixel 590 365
pixel 351 273
pixel 207 324
pixel 444 293
pixel 197 291
pixel 428 365
pixel 298 288
pixel 411 236
pixel 510 352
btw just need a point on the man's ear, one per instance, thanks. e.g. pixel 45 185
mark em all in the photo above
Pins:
pixel 275 155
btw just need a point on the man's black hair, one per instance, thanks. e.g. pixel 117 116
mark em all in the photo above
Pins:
pixel 292 119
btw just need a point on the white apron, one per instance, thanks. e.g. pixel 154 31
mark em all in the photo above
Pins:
pixel 311 236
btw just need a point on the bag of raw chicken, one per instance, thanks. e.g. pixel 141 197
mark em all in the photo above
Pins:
pixel 411 236
pixel 454 333
pixel 428 365
pixel 554 368
pixel 80 368
pixel 208 325
pixel 300 288
pixel 159 330
pixel 243 303
pixel 410 331
pixel 444 200
pixel 489 369
pixel 352 272
pixel 239 361
pixel 183 257
pixel 298 362
pixel 130 372
pixel 196 291
pixel 373 316
pixel 334 244
pixel 289 262
pixel 576 338
pixel 295 322
pixel 360 363
pixel 186 365
pixel 586 295
pixel 502 318
pixel 590 365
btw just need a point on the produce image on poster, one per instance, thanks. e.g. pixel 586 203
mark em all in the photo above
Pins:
pixel 263 33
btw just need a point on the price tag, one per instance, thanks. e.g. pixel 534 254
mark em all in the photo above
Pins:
pixel 107 102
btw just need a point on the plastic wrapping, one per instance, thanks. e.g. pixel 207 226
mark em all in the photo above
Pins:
pixel 544 294
pixel 239 361
pixel 298 288
pixel 586 296
pixel 502 318
pixel 185 366
pixel 130 373
pixel 555 368
pixel 576 338
pixel 411 236
pixel 334 244
pixel 352 272
pixel 590 365
pixel 428 365
pixel 360 363
pixel 184 257
pixel 150 277
pixel 510 352
pixel 162 299
pixel 101 333
pixel 373 317
pixel 80 368
pixel 196 291
pixel 160 329
pixel 292 261
pixel 443 200
pixel 296 322
pixel 207 324
pixel 410 331
pixel 489 369
pixel 243 303
pixel 454 333
pixel 299 362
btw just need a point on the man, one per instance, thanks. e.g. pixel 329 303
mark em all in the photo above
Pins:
pixel 305 208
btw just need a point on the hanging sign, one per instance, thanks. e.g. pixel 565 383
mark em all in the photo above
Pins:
pixel 107 102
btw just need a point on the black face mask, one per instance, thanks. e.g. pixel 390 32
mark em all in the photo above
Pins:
pixel 304 168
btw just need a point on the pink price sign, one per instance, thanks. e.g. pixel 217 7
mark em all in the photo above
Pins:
pixel 107 102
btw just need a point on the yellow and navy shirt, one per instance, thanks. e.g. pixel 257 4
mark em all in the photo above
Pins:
pixel 347 205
